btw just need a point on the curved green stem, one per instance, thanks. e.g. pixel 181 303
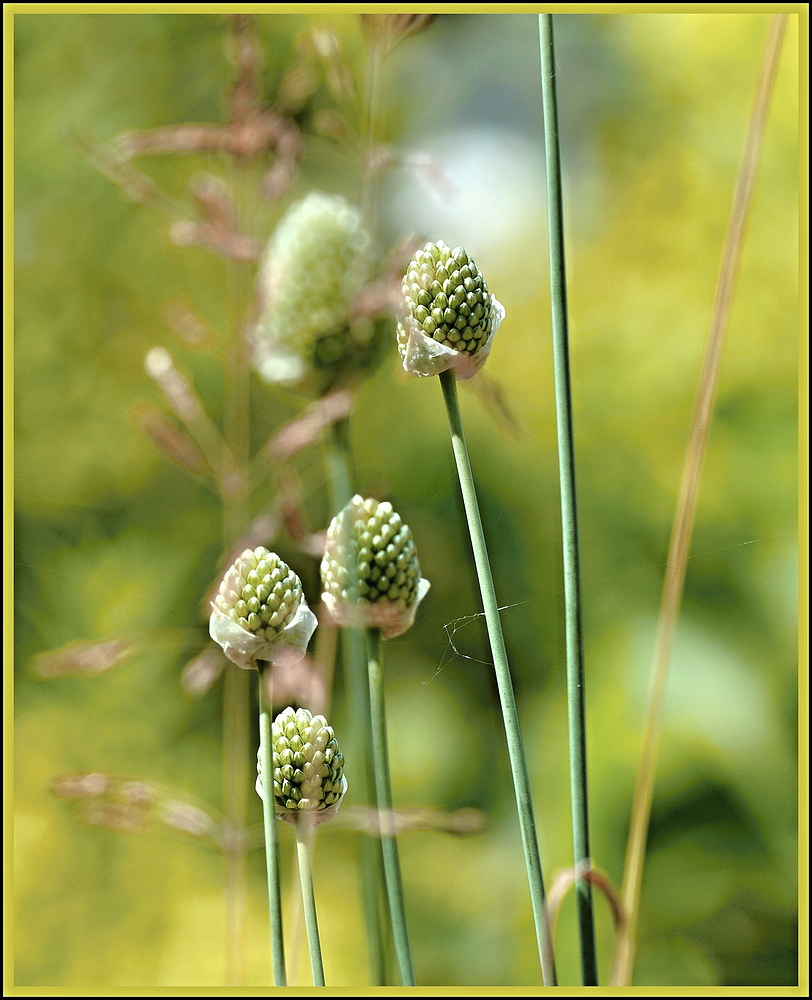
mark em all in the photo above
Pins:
pixel 303 841
pixel 380 756
pixel 518 764
pixel 569 510
pixel 271 840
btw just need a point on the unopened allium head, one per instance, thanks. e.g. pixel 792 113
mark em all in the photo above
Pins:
pixel 449 316
pixel 260 612
pixel 370 571
pixel 316 262
pixel 308 767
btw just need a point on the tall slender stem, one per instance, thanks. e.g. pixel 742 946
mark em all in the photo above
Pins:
pixel 303 854
pixel 679 547
pixel 374 82
pixel 269 821
pixel 372 863
pixel 339 465
pixel 235 797
pixel 383 785
pixel 576 700
pixel 518 764
pixel 236 751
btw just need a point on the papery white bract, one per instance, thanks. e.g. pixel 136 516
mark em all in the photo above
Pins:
pixel 423 355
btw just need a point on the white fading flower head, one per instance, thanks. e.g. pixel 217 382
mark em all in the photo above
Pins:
pixel 315 264
pixel 370 572
pixel 260 612
pixel 449 318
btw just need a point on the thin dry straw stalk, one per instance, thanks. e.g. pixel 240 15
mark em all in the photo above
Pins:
pixel 576 702
pixel 623 961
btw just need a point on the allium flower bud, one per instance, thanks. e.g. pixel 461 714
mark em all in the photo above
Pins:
pixel 370 572
pixel 260 612
pixel 317 261
pixel 308 767
pixel 449 317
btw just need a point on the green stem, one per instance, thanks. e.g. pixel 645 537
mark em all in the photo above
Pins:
pixel 518 764
pixel 236 751
pixel 303 841
pixel 380 755
pixel 374 82
pixel 569 513
pixel 339 465
pixel 271 840
pixel 372 864
pixel 236 783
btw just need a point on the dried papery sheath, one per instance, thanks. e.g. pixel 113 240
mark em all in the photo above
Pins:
pixel 308 767
pixel 316 263
pixel 370 572
pixel 260 612
pixel 449 318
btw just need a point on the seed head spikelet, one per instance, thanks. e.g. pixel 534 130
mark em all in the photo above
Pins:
pixel 449 317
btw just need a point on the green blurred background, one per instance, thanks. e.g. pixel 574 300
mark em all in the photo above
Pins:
pixel 111 539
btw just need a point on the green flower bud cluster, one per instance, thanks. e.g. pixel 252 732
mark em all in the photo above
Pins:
pixel 308 767
pixel 447 299
pixel 370 556
pixel 260 592
pixel 319 258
